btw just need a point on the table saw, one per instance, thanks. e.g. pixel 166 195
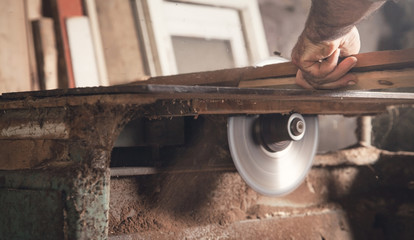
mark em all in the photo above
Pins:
pixel 65 136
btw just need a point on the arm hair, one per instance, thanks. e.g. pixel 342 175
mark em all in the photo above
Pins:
pixel 331 19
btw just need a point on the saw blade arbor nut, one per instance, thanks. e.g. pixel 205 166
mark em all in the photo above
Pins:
pixel 275 131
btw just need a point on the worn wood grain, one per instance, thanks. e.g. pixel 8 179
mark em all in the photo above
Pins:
pixel 33 12
pixel 374 61
pixel 97 41
pixel 369 80
pixel 46 53
pixel 14 53
pixel 59 10
pixel 171 100
pixel 123 56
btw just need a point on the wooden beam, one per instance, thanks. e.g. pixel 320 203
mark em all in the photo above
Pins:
pixel 33 10
pixel 82 52
pixel 97 41
pixel 366 80
pixel 121 47
pixel 374 61
pixel 384 79
pixel 14 53
pixel 46 53
pixel 60 10
pixel 383 60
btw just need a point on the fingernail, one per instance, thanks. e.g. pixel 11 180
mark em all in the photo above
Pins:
pixel 350 83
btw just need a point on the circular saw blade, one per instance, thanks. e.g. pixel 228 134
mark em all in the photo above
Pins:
pixel 271 173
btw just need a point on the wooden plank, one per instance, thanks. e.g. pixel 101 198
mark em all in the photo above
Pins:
pixel 46 53
pixel 366 80
pixel 283 82
pixel 260 101
pixel 60 10
pixel 123 57
pixel 384 79
pixel 97 41
pixel 33 9
pixel 33 12
pixel 14 54
pixel 374 61
pixel 383 60
pixel 82 52
pixel 164 100
pixel 208 92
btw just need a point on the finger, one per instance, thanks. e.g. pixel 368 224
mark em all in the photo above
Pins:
pixel 300 80
pixel 347 80
pixel 343 67
pixel 328 65
pixel 321 68
pixel 340 71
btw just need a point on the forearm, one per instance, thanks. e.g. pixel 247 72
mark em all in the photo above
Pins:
pixel 331 19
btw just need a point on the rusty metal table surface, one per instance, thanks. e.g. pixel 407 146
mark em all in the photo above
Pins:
pixel 214 100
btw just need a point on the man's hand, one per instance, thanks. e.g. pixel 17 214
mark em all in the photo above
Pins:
pixel 330 33
pixel 318 62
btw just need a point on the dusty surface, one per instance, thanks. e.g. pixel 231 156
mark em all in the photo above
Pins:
pixel 184 201
pixel 321 225
pixel 175 201
pixel 344 201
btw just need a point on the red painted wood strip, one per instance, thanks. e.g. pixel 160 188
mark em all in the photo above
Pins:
pixel 65 9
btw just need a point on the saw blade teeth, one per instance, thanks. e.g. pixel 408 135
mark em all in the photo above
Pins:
pixel 271 173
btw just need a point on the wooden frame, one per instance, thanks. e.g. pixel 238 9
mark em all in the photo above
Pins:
pixel 159 51
pixel 97 41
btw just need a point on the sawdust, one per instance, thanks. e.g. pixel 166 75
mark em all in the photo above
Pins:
pixel 171 202
pixel 369 201
pixel 174 201
pixel 197 205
